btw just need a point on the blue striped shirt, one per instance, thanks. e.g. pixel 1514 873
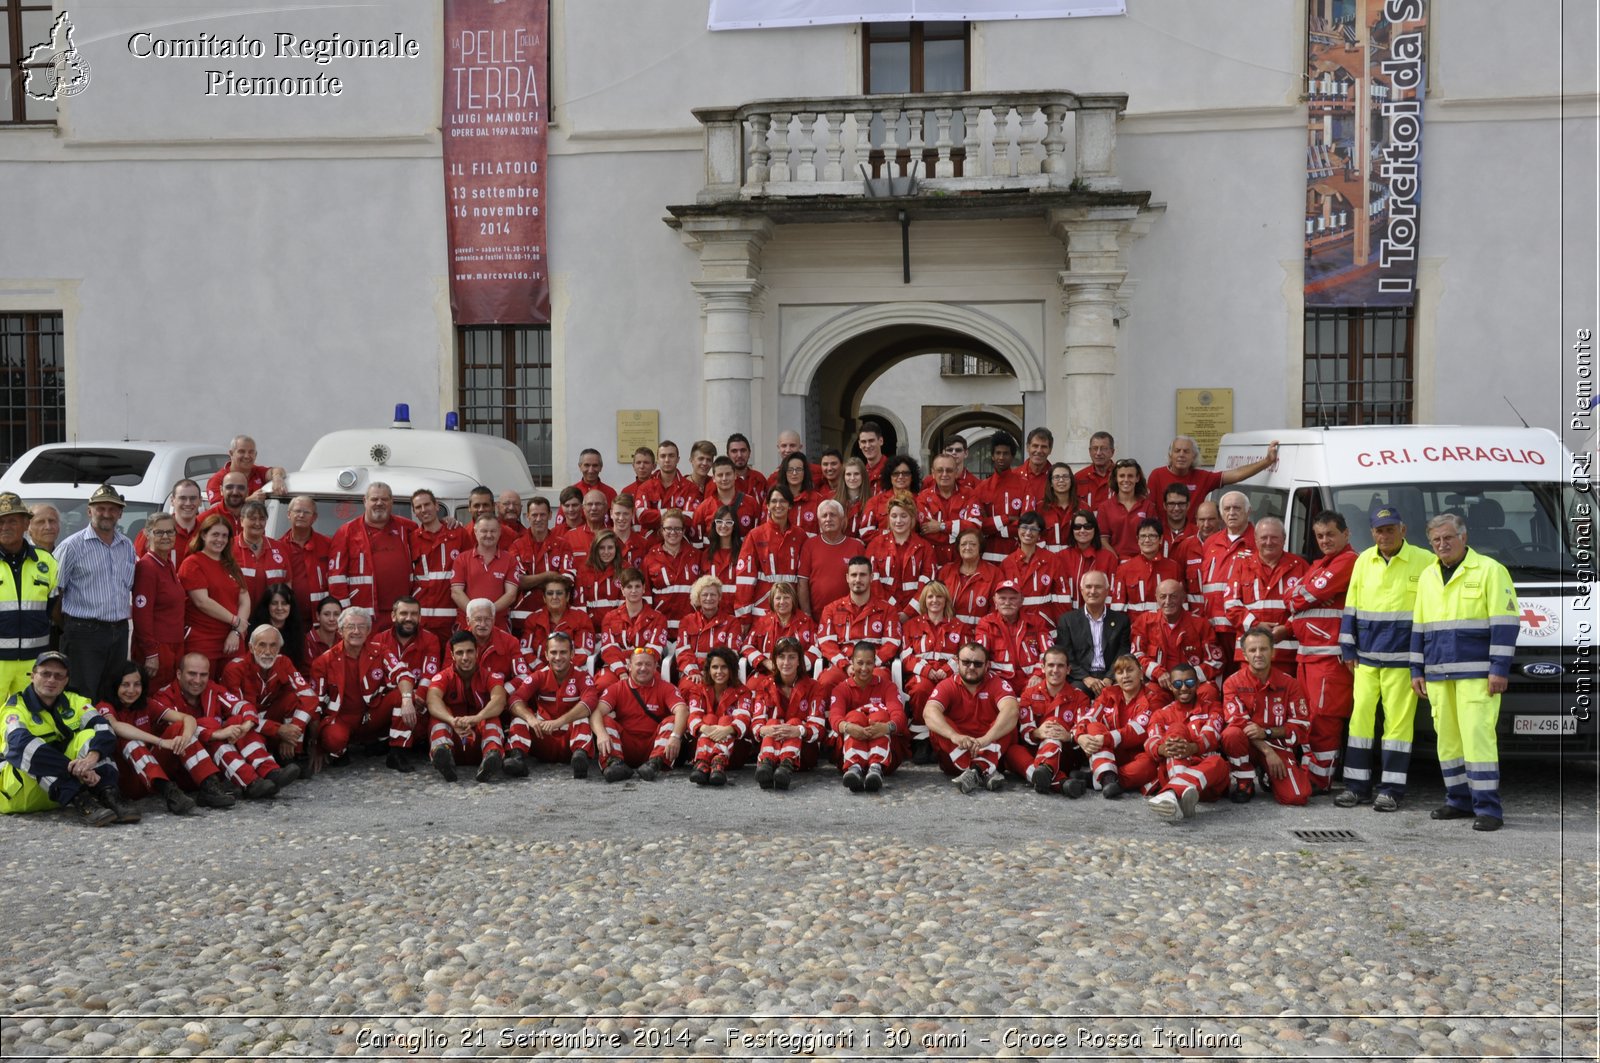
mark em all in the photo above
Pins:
pixel 96 579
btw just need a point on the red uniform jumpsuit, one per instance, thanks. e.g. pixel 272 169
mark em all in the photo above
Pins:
pixel 1133 588
pixel 551 697
pixel 1159 644
pixel 621 634
pixel 927 647
pixel 1036 706
pixel 1200 722
pixel 1315 609
pixel 864 706
pixel 1200 482
pixel 308 568
pixel 1122 723
pixel 1258 594
pixel 768 631
pixel 1075 563
pixel 596 590
pixel 1217 559
pixel 269 564
pixel 971 713
pixel 699 634
pixel 575 623
pixel 953 511
pixel 799 706
pixel 971 594
pixel 159 601
pixel 149 764
pixel 1093 487
pixel 1188 552
pixel 370 567
pixel 746 509
pixel 1279 702
pixel 901 569
pixel 433 561
pixel 360 699
pixel 550 554
pixel 844 624
pixel 422 656
pixel 997 506
pixel 281 695
pixel 655 495
pixel 1016 648
pixel 669 578
pixel 244 760
pixel 1038 577
pixel 467 696
pixel 254 481
pixel 768 555
pixel 1119 525
pixel 731 709
pixel 640 722
pixel 1057 519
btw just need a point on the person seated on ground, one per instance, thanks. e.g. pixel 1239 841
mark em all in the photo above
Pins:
pixel 783 620
pixel 358 687
pixel 465 701
pixel 1014 639
pixel 1093 635
pixel 551 711
pixel 1133 588
pixel 1267 718
pixel 284 701
pixel 229 727
pixel 867 722
pixel 972 721
pixel 639 721
pixel 719 719
pixel 1112 730
pixel 1184 736
pixel 58 750
pixel 158 747
pixel 788 717
pixel 1170 635
pixel 713 623
pixel 1048 709
pixel 928 658
pixel 559 617
pixel 858 617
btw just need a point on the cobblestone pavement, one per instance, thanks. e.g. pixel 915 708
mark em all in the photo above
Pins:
pixel 370 915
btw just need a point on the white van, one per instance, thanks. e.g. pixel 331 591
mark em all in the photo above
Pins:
pixel 449 463
pixel 143 471
pixel 1515 489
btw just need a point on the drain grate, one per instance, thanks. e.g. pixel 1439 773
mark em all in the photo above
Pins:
pixel 1332 837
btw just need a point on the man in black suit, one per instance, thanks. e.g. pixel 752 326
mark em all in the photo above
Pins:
pixel 1093 635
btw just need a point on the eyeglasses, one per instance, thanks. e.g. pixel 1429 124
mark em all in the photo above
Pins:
pixel 900 472
pixel 1125 463
pixel 1184 683
pixel 1083 527
pixel 968 663
pixel 721 521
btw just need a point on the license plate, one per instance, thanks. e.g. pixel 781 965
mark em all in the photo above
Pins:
pixel 1544 725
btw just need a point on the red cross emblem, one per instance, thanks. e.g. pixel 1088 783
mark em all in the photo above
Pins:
pixel 1533 619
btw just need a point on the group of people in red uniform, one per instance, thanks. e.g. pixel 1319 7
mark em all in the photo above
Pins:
pixel 1091 628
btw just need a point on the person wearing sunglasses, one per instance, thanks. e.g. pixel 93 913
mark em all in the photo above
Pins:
pixel 1184 736
pixel 972 721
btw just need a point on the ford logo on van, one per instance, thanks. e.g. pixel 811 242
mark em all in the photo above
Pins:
pixel 1542 670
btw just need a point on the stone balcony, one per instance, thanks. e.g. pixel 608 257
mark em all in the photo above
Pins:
pixel 958 143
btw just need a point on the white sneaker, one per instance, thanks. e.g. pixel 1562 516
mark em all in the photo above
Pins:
pixel 967 781
pixel 1165 805
pixel 1188 801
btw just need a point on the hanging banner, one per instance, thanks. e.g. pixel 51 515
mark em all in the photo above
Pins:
pixel 1365 77
pixel 766 14
pixel 493 126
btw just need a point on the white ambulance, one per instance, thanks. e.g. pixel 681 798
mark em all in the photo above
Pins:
pixel 1525 505
pixel 449 463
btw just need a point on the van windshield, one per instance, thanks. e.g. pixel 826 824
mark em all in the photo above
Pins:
pixel 1527 527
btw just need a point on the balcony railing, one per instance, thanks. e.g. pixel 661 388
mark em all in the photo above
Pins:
pixel 951 142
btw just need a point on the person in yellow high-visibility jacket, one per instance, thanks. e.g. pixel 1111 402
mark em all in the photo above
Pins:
pixel 27 583
pixel 1463 636
pixel 1375 641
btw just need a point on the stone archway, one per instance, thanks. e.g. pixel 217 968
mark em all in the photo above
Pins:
pixel 837 360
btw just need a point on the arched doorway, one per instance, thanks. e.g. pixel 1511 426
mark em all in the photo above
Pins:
pixel 834 366
pixel 976 424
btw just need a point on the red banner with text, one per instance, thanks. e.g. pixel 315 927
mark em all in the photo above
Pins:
pixel 493 124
